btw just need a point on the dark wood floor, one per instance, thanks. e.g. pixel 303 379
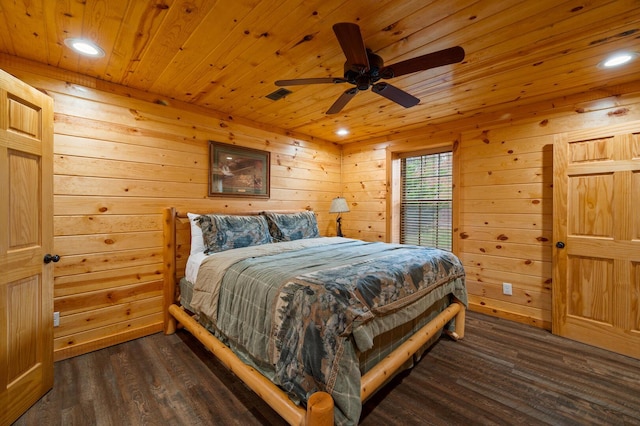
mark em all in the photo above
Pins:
pixel 501 373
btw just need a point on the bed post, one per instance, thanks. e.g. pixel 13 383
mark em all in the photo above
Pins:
pixel 319 410
pixel 458 332
pixel 460 319
pixel 169 255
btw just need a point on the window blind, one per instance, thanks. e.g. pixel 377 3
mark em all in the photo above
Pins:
pixel 426 200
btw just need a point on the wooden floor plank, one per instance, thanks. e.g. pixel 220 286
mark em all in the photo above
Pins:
pixel 501 373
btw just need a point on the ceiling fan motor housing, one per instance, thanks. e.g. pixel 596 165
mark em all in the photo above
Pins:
pixel 362 77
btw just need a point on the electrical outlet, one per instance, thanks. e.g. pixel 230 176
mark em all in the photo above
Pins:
pixel 507 289
pixel 56 319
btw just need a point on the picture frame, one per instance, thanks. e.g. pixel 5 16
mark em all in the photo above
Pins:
pixel 236 171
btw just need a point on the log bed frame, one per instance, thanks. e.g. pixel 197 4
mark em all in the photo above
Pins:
pixel 320 406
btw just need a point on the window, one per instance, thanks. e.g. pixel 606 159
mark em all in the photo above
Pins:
pixel 426 200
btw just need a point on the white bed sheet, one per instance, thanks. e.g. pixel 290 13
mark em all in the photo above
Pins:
pixel 193 265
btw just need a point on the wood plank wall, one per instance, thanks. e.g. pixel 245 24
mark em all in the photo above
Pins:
pixel 504 193
pixel 120 157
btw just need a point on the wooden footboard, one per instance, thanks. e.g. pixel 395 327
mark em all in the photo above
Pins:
pixel 320 405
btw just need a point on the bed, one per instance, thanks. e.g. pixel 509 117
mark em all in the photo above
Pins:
pixel 313 325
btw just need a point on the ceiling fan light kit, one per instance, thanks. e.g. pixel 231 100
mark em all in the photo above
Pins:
pixel 364 69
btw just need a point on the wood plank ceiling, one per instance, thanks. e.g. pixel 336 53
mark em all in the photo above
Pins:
pixel 226 54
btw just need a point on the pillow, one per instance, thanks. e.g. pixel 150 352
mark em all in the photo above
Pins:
pixel 225 232
pixel 197 243
pixel 292 226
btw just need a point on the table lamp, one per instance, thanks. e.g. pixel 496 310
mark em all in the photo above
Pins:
pixel 339 205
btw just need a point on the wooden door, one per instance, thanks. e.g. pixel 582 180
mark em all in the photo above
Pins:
pixel 26 235
pixel 596 204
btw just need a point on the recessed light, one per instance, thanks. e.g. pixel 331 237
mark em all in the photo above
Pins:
pixel 342 132
pixel 618 59
pixel 84 47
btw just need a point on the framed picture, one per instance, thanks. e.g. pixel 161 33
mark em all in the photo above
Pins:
pixel 238 172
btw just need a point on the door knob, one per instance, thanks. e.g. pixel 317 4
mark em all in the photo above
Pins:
pixel 560 244
pixel 49 258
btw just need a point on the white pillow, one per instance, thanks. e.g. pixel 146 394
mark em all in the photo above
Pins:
pixel 197 242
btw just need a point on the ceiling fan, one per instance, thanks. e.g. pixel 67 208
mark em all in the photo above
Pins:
pixel 364 68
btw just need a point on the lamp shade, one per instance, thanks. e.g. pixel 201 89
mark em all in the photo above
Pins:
pixel 339 205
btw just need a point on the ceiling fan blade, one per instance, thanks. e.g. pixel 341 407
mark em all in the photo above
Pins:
pixel 394 94
pixel 352 44
pixel 301 81
pixel 448 56
pixel 342 101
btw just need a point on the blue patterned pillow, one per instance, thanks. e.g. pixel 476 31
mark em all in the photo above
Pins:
pixel 225 232
pixel 292 226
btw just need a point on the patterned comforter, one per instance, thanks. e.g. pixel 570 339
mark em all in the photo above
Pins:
pixel 295 310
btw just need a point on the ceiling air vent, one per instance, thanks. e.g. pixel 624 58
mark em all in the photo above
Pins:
pixel 278 94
